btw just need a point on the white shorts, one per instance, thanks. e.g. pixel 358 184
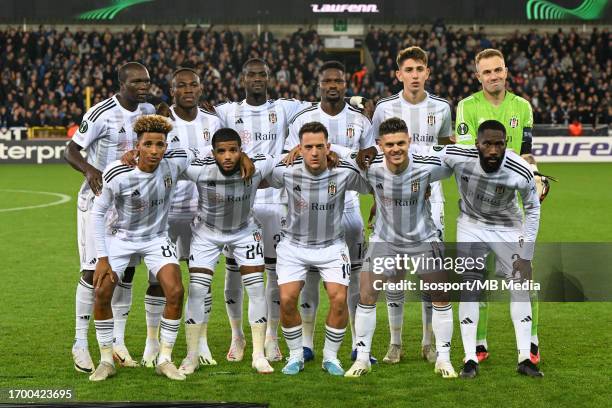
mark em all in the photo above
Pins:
pixel 271 219
pixel 179 231
pixel 157 253
pixel 353 233
pixel 379 253
pixel 245 245
pixel 437 213
pixel 293 261
pixel 475 241
pixel 86 237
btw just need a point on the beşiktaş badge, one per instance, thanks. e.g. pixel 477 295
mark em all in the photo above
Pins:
pixel 331 188
pixel 168 181
pixel 514 122
pixel 431 119
pixel 272 117
pixel 350 131
pixel 257 236
pixel 500 189
pixel 415 186
pixel 206 135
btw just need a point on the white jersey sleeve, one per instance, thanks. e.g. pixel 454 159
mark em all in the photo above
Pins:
pixel 377 119
pixel 367 139
pixel 446 129
pixel 293 106
pixel 264 164
pixel 101 205
pixel 89 131
pixel 224 111
pixel 181 158
pixel 531 206
pixel 276 178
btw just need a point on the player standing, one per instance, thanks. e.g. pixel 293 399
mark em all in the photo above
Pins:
pixel 262 126
pixel 429 123
pixel 495 102
pixel 490 220
pixel 314 237
pixel 348 127
pixel 105 134
pixel 225 219
pixel 192 127
pixel 399 179
pixel 142 197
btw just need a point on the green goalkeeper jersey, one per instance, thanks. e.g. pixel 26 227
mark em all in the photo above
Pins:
pixel 514 112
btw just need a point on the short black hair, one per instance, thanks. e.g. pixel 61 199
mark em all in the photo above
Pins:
pixel 184 69
pixel 122 73
pixel 254 61
pixel 491 125
pixel 225 135
pixel 392 125
pixel 313 127
pixel 332 65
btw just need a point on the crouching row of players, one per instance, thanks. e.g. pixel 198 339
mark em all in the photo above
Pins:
pixel 316 184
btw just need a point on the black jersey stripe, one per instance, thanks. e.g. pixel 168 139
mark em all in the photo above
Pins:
pixel 310 109
pixel 388 98
pixel 99 113
pixel 115 174
pixel 519 165
pixel 104 104
pixel 519 170
pixel 115 169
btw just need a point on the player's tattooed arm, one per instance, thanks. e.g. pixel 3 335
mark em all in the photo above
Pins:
pixel 73 156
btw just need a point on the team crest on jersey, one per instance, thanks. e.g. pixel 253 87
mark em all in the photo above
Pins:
pixel 462 129
pixel 272 117
pixel 521 241
pixel 514 122
pixel 283 222
pixel 84 126
pixel 350 131
pixel 431 119
pixel 415 186
pixel 168 181
pixel 331 188
pixel 257 236
pixel 206 135
pixel 500 189
pixel 345 258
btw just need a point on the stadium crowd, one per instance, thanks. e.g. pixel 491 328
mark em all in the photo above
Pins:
pixel 43 73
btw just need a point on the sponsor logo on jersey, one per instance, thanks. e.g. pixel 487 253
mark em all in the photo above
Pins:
pixel 514 122
pixel 331 188
pixel 206 134
pixel 245 136
pixel 265 136
pixel 386 201
pixel 500 189
pixel 431 119
pixel 462 129
pixel 350 131
pixel 300 204
pixel 257 236
pixel 84 126
pixel 415 186
pixel 167 181
pixel 272 117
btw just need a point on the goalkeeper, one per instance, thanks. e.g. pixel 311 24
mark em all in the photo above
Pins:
pixel 495 102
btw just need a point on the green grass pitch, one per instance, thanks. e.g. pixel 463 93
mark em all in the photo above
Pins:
pixel 40 273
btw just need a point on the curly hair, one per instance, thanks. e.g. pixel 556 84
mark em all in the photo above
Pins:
pixel 152 124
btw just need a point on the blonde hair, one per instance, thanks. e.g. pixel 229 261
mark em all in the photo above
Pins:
pixel 152 124
pixel 414 52
pixel 488 53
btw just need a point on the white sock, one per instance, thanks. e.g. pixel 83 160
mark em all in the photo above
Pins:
pixel 154 307
pixel 168 333
pixel 365 324
pixel 233 297
pixel 395 308
pixel 272 301
pixel 104 334
pixel 308 306
pixel 442 323
pixel 121 304
pixel 293 337
pixel 520 312
pixel 333 341
pixel 426 319
pixel 84 308
pixel 199 285
pixel 468 320
pixel 254 285
pixel 352 299
pixel 203 342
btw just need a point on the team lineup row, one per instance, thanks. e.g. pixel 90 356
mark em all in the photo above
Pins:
pixel 259 125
